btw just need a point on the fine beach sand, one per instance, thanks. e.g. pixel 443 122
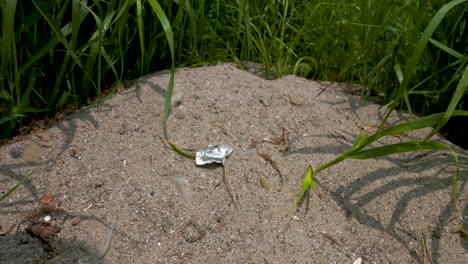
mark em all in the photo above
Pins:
pixel 108 169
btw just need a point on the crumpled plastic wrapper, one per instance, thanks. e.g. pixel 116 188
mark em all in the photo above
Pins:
pixel 213 153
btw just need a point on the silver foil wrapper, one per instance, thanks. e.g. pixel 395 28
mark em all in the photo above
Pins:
pixel 213 153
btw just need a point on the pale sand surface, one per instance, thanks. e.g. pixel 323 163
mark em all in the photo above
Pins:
pixel 108 163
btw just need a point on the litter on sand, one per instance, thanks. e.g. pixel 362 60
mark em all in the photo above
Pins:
pixel 213 153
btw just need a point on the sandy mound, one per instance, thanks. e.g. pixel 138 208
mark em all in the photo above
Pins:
pixel 107 167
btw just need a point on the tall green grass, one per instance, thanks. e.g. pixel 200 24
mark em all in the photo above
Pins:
pixel 59 52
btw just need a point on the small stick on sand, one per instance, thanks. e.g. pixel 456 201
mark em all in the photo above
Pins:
pixel 331 238
pixel 273 164
pixel 229 183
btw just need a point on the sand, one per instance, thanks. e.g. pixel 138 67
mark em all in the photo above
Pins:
pixel 121 195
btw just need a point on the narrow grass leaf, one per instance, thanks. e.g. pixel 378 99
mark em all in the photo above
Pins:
pixel 170 86
pixel 383 61
pixel 423 122
pixel 8 49
pixel 399 72
pixel 94 53
pixel 308 182
pixel 414 60
pixel 165 24
pixel 47 48
pixel 141 32
pixel 11 117
pixel 359 140
pixel 422 43
pixel 6 95
pixel 448 49
pixel 193 25
pixel 412 145
pixel 457 95
pixel 64 41
pixel 109 62
pixel 16 186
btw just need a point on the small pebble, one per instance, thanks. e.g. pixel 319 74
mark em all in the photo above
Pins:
pixel 76 220
pixel 249 154
pixel 16 152
pixel 264 182
pixel 183 186
pixel 47 198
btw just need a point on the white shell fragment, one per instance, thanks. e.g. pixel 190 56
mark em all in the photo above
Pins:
pixel 176 100
pixel 183 187
pixel 213 153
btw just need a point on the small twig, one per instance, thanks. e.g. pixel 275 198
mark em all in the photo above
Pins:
pixel 285 139
pixel 323 90
pixel 273 164
pixel 226 130
pixel 55 260
pixel 229 183
pixel 8 231
pixel 331 238
pixel 425 252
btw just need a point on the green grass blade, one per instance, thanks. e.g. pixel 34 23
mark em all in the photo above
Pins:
pixel 170 39
pixel 78 14
pixel 448 49
pixel 165 24
pixel 109 62
pixel 412 145
pixel 402 92
pixel 427 121
pixel 422 43
pixel 94 52
pixel 8 118
pixel 459 92
pixel 64 41
pixel 16 186
pixel 244 20
pixel 47 48
pixel 308 182
pixel 9 59
pixel 6 95
pixel 170 86
pixel 398 72
pixel 359 140
pixel 141 32
pixel 193 25
pixel 383 61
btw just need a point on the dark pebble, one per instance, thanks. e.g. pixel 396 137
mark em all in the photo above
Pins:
pixel 16 152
